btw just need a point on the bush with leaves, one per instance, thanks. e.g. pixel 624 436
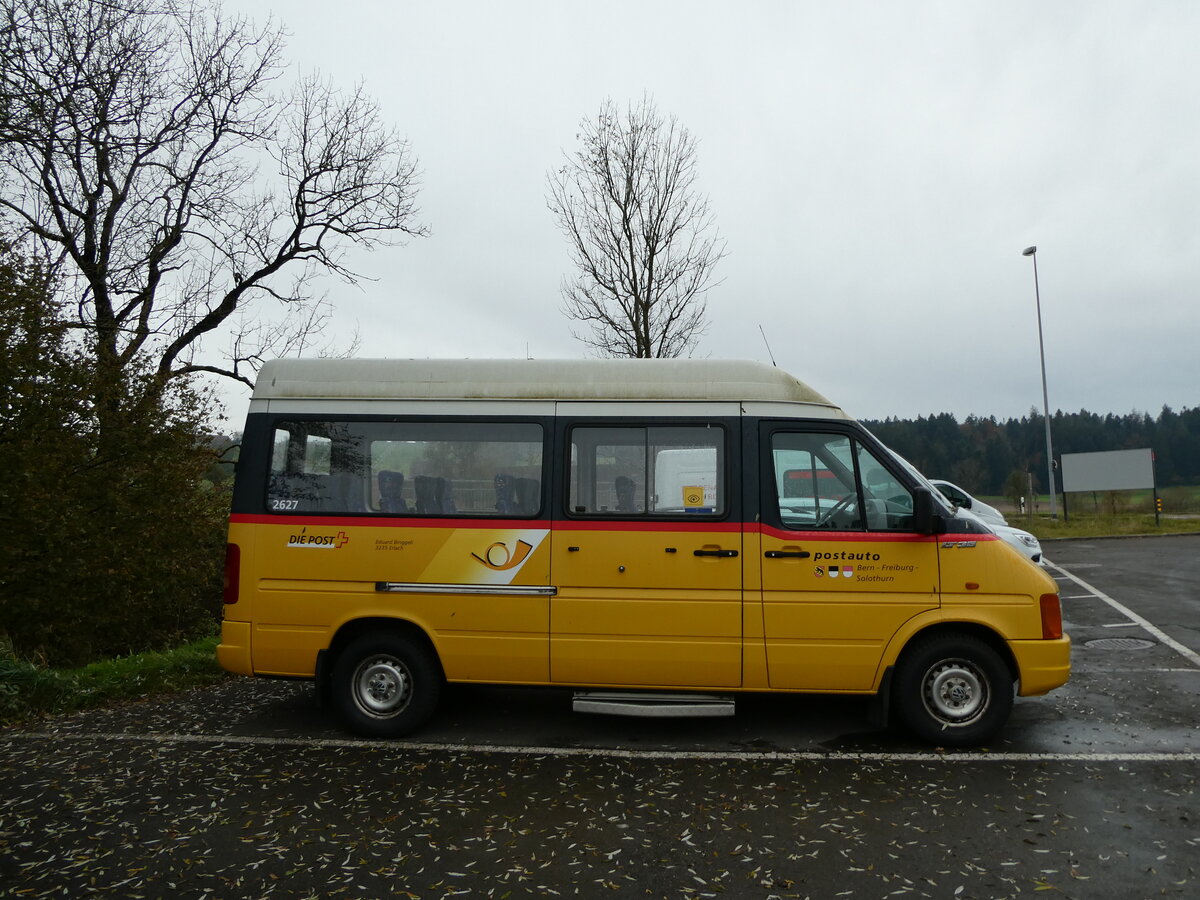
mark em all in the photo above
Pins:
pixel 113 539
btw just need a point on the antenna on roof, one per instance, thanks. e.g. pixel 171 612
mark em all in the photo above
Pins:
pixel 769 353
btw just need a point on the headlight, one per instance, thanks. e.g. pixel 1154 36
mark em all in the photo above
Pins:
pixel 1028 540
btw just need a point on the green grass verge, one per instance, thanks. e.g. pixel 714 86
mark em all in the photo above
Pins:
pixel 1077 526
pixel 1109 514
pixel 28 691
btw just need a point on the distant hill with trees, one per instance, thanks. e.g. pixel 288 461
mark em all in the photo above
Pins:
pixel 982 454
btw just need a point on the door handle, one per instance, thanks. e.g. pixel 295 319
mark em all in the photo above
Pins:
pixel 714 553
pixel 787 554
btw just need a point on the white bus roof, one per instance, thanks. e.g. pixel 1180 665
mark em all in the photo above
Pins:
pixel 532 379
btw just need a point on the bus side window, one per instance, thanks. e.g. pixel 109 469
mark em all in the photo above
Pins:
pixel 287 489
pixel 827 480
pixel 815 481
pixel 478 468
pixel 431 467
pixel 651 470
pixel 302 477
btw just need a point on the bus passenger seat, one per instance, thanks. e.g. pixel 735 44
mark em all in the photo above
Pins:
pixel 445 495
pixel 626 492
pixel 311 490
pixel 423 490
pixel 877 485
pixel 345 493
pixel 527 492
pixel 433 494
pixel 391 484
pixel 506 503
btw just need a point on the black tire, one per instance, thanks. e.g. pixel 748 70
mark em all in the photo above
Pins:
pixel 953 690
pixel 386 685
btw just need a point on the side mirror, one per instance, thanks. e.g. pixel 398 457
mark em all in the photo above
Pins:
pixel 923 520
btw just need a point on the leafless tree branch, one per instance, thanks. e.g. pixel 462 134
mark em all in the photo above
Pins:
pixel 146 145
pixel 641 236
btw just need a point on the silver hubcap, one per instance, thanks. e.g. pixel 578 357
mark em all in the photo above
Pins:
pixel 956 692
pixel 382 686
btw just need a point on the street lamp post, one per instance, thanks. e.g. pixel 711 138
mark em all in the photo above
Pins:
pixel 1032 251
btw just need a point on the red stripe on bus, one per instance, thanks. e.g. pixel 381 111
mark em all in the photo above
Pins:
pixel 465 522
pixel 895 537
pixel 605 525
pixel 386 521
pixel 643 525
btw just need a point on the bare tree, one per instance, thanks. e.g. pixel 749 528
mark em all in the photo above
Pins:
pixel 641 236
pixel 149 147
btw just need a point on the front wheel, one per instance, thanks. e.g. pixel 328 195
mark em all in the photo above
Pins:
pixel 386 685
pixel 953 690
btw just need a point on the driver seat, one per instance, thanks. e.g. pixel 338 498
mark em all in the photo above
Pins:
pixel 877 486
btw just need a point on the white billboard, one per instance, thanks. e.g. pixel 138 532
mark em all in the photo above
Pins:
pixel 1113 470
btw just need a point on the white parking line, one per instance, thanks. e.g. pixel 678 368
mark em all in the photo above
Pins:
pixel 1186 652
pixel 400 747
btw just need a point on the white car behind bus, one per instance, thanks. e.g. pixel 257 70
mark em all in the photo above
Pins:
pixel 1025 542
pixel 963 500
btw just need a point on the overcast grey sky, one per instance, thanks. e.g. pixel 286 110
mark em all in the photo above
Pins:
pixel 875 168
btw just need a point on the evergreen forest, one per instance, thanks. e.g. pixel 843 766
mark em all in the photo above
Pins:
pixel 985 455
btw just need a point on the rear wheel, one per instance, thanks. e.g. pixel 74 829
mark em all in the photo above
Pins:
pixel 386 685
pixel 953 690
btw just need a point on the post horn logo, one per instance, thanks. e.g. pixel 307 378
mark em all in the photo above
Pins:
pixel 499 558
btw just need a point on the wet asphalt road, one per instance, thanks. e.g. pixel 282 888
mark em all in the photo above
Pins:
pixel 249 789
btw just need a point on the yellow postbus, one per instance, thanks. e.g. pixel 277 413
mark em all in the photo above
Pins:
pixel 658 535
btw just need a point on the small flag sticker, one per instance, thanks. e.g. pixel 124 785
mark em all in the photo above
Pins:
pixel 819 572
pixel 833 572
pixel 848 571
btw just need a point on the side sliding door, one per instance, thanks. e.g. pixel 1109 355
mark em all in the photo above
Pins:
pixel 646 547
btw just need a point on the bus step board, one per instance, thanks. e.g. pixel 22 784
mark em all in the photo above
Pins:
pixel 653 705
